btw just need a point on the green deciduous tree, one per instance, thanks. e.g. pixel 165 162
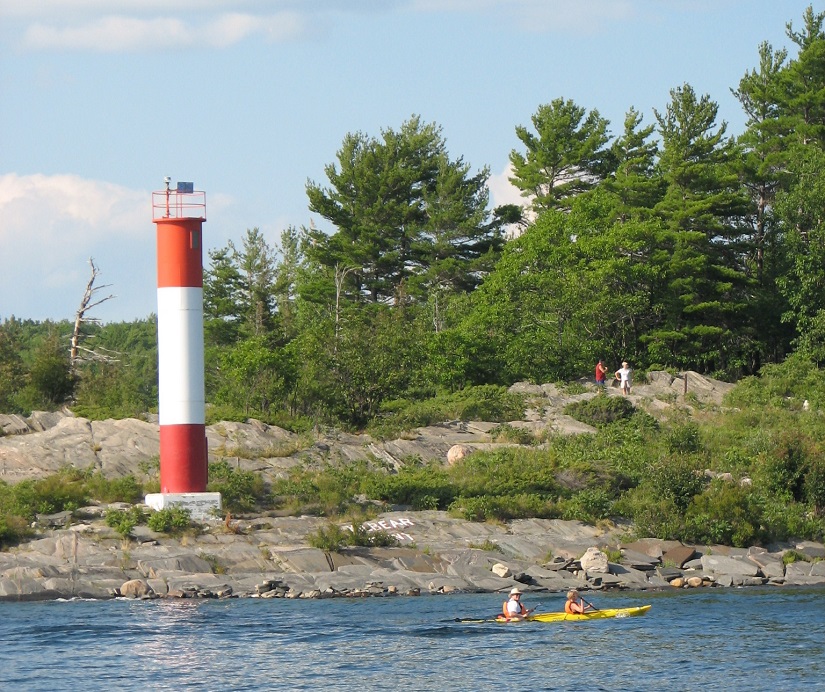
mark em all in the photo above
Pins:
pixel 565 293
pixel 803 282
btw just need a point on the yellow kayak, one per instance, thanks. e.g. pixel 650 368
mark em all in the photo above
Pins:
pixel 592 615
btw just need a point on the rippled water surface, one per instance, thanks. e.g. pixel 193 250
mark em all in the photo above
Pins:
pixel 749 639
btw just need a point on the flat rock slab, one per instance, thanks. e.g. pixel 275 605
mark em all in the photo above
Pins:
pixel 721 564
pixel 678 555
pixel 769 564
pixel 630 558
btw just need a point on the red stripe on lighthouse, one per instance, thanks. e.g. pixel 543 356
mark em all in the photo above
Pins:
pixel 183 451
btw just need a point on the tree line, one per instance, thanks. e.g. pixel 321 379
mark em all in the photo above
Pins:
pixel 671 244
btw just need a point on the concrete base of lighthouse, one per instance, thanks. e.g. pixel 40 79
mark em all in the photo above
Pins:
pixel 200 505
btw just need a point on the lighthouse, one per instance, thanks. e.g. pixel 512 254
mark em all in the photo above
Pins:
pixel 179 215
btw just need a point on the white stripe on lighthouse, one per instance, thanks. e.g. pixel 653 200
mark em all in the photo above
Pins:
pixel 181 391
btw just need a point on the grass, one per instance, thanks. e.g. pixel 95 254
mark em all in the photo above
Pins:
pixel 488 546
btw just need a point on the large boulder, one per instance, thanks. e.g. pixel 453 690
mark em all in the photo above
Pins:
pixel 594 561
pixel 457 452
pixel 135 588
pixel 501 570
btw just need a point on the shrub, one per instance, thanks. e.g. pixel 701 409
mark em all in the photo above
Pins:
pixel 653 515
pixel 170 520
pixel 678 480
pixel 502 508
pixel 505 432
pixel 684 439
pixel 485 402
pixel 814 485
pixel 427 487
pixel 726 514
pixel 600 410
pixel 330 539
pixel 783 385
pixel 13 529
pixel 590 504
pixel 125 489
pixel 123 521
pixel 333 538
pixel 790 556
pixel 241 491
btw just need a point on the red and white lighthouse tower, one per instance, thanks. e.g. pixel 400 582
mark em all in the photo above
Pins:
pixel 179 215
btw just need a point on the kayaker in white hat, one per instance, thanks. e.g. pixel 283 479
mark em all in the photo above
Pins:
pixel 513 608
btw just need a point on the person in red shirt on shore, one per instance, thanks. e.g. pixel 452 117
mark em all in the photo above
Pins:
pixel 601 374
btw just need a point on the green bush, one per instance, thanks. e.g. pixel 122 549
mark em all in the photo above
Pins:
pixel 600 410
pixel 330 539
pixel 814 485
pixel 505 432
pixel 125 489
pixel 684 439
pixel 502 508
pixel 677 479
pixel 124 521
pixel 790 556
pixel 13 529
pixel 590 505
pixel 170 520
pixel 427 487
pixel 652 515
pixel 241 491
pixel 333 538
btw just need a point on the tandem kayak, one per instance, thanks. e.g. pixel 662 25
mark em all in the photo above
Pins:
pixel 566 617
pixel 593 615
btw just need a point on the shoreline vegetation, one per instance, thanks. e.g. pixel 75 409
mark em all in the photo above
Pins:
pixel 719 485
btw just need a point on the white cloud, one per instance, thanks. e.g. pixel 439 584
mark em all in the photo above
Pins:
pixel 118 33
pixel 49 228
pixel 56 9
pixel 502 191
pixel 135 25
pixel 543 15
pixel 100 207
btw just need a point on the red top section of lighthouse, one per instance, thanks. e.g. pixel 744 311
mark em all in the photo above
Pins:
pixel 178 215
pixel 175 204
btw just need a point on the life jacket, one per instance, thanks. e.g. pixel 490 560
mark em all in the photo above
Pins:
pixel 522 609
pixel 568 608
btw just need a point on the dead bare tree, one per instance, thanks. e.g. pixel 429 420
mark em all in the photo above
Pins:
pixel 79 352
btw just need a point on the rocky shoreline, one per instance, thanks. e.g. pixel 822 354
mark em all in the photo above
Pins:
pixel 78 556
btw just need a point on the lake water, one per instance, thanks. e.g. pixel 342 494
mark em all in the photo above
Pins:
pixel 718 639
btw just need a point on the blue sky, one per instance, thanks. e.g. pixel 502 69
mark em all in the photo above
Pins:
pixel 99 100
